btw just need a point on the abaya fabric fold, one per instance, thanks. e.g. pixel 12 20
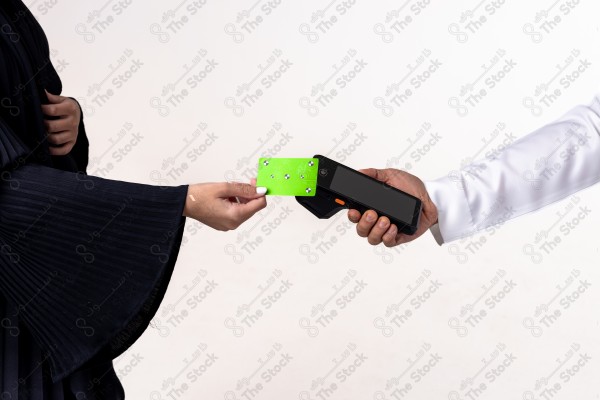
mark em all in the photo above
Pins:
pixel 84 261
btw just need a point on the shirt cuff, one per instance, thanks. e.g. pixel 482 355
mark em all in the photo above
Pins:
pixel 437 235
pixel 454 215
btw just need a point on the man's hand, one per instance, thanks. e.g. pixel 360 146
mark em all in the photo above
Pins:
pixel 379 230
pixel 62 132
pixel 216 204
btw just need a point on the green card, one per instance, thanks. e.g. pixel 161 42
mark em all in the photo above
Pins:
pixel 288 176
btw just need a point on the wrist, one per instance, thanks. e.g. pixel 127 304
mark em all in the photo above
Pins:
pixel 433 220
pixel 189 200
pixel 430 211
pixel 434 213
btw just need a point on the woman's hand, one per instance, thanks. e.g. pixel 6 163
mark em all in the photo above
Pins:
pixel 216 204
pixel 62 132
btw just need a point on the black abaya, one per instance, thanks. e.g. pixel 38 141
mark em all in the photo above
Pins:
pixel 84 261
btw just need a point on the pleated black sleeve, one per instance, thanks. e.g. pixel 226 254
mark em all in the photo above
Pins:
pixel 86 260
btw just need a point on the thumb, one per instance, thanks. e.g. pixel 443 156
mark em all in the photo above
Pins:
pixel 382 175
pixel 244 190
pixel 368 171
pixel 54 98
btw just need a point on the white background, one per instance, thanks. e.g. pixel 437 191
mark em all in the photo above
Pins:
pixel 437 350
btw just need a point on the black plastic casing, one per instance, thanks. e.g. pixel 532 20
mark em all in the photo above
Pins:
pixel 323 205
